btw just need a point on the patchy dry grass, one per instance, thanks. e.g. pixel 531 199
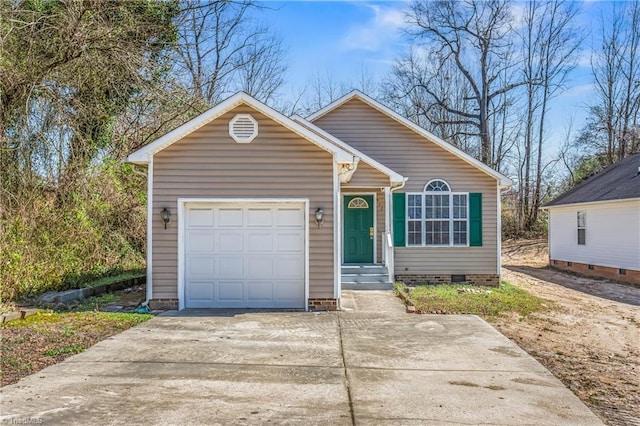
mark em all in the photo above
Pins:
pixel 478 300
pixel 43 339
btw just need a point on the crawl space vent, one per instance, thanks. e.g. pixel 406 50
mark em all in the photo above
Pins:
pixel 243 128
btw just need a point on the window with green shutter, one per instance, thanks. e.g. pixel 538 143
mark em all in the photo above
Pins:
pixel 399 219
pixel 437 216
pixel 475 219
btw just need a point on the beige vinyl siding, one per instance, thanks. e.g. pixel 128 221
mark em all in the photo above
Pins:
pixel 366 177
pixel 401 149
pixel 210 164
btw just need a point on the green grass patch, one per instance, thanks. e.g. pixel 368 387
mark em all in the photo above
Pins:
pixel 95 302
pixel 468 299
pixel 48 337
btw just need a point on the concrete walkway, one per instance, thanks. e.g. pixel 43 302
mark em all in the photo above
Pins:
pixel 370 364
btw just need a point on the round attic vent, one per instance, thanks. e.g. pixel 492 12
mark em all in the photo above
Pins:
pixel 243 128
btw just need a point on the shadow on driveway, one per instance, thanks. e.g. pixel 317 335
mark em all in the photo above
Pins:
pixel 602 288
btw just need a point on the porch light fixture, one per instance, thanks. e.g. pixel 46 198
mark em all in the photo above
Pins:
pixel 319 217
pixel 165 214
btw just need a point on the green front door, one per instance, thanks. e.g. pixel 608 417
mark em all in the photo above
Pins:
pixel 358 228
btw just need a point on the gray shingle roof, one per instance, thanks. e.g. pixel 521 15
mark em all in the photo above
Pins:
pixel 617 182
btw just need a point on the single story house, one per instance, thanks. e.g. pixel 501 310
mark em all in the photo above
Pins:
pixel 248 208
pixel 594 228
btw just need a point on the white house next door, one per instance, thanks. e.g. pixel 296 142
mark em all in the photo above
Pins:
pixel 244 255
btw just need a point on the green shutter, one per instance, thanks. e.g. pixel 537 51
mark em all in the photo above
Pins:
pixel 399 219
pixel 475 219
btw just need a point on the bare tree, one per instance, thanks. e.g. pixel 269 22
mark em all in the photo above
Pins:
pixel 221 50
pixel 613 127
pixel 550 44
pixel 475 37
pixel 416 84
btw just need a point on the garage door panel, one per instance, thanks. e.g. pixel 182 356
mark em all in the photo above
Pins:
pixel 230 217
pixel 288 290
pixel 245 255
pixel 292 242
pixel 259 291
pixel 230 266
pixel 289 267
pixel 200 217
pixel 201 291
pixel 230 291
pixel 259 218
pixel 260 266
pixel 200 240
pixel 200 267
pixel 229 241
pixel 260 242
pixel 289 218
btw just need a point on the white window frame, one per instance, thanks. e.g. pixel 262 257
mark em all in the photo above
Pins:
pixel 583 227
pixel 423 218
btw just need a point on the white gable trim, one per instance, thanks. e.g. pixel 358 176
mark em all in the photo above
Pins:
pixel 395 177
pixel 356 94
pixel 144 154
pixel 590 203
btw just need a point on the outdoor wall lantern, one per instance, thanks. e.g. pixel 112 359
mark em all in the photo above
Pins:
pixel 166 216
pixel 319 217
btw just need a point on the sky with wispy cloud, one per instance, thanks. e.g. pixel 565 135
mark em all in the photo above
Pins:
pixel 344 39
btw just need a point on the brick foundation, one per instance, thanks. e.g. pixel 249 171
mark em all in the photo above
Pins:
pixel 630 276
pixel 473 279
pixel 163 304
pixel 323 304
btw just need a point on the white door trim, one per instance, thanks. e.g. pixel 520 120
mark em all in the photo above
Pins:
pixel 181 203
pixel 375 222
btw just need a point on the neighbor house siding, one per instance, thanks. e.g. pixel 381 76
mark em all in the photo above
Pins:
pixel 210 164
pixel 404 151
pixel 612 234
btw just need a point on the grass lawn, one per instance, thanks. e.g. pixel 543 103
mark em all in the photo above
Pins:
pixel 43 339
pixel 466 299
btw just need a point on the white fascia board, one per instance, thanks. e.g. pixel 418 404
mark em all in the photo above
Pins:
pixel 395 177
pixel 590 203
pixel 144 154
pixel 503 181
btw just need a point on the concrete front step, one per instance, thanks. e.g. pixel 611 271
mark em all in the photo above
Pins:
pixel 365 277
pixel 358 279
pixel 367 286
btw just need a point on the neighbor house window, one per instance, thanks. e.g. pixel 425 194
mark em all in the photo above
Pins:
pixel 582 228
pixel 437 216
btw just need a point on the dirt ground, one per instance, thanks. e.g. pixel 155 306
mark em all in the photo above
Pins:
pixel 590 338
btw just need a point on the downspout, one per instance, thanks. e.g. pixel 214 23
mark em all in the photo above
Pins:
pixel 390 252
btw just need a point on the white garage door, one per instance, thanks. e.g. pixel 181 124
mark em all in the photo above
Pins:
pixel 244 255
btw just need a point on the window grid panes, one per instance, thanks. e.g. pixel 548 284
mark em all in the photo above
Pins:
pixel 437 185
pixel 414 214
pixel 582 228
pixel 437 206
pixel 437 217
pixel 437 233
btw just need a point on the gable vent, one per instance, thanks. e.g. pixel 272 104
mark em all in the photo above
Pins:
pixel 243 128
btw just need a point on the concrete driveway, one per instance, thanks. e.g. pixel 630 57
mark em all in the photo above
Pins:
pixel 371 364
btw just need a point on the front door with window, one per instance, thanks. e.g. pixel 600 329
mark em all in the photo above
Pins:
pixel 358 229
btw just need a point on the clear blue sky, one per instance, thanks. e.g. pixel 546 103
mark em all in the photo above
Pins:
pixel 342 38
